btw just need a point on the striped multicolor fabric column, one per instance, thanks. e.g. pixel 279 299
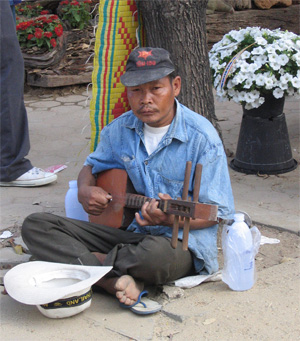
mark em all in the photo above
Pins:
pixel 116 37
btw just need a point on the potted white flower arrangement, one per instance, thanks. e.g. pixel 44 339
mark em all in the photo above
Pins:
pixel 249 63
pixel 258 68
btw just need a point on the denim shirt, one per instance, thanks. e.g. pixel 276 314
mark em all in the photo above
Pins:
pixel 190 137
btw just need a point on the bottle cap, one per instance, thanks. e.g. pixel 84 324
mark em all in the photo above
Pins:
pixel 73 184
pixel 239 217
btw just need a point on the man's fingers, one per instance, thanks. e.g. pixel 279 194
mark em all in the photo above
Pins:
pixel 164 196
pixel 140 221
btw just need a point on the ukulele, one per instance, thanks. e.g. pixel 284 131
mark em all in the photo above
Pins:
pixel 125 202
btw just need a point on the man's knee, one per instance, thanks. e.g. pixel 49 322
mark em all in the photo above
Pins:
pixel 156 259
pixel 30 223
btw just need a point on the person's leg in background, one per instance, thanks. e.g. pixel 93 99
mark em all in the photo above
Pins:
pixel 15 143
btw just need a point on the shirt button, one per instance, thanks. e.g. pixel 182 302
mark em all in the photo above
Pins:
pixel 146 163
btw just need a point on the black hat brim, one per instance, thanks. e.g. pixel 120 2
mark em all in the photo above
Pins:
pixel 134 78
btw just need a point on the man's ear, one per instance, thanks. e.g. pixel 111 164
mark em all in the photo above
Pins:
pixel 176 85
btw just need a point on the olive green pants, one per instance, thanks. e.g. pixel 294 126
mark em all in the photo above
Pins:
pixel 147 258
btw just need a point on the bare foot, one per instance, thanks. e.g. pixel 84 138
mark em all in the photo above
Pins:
pixel 125 288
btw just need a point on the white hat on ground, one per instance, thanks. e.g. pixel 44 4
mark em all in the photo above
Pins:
pixel 58 290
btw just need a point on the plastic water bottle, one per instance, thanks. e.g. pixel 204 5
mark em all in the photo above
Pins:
pixel 73 207
pixel 238 272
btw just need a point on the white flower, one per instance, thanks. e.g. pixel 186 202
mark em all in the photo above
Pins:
pixel 230 85
pixel 260 79
pixel 237 35
pixel 285 78
pixel 248 97
pixel 283 86
pixel 275 66
pixel 242 96
pixel 232 93
pixel 222 66
pixel 217 80
pixel 296 82
pixel 273 58
pixel 282 59
pixel 255 94
pixel 238 79
pixel 258 50
pixel 270 82
pixel 245 67
pixel 245 55
pixel 296 58
pixel 225 53
pixel 270 49
pixel 261 41
pixel 278 93
pixel 259 67
pixel 259 60
pixel 248 84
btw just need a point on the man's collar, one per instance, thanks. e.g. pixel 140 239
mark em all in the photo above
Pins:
pixel 177 129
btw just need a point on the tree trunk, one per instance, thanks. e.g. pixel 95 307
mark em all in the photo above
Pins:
pixel 180 27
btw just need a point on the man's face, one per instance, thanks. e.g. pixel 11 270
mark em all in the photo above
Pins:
pixel 154 102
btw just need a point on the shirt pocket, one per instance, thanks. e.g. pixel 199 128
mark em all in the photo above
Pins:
pixel 134 173
pixel 129 162
pixel 168 186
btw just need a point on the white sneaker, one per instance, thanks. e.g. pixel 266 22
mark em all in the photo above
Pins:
pixel 34 177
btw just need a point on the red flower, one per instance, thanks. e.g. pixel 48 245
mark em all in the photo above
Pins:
pixel 44 12
pixel 87 1
pixel 66 2
pixel 30 36
pixel 75 3
pixel 54 17
pixel 43 19
pixel 53 42
pixel 23 26
pixel 48 34
pixel 58 30
pixel 38 33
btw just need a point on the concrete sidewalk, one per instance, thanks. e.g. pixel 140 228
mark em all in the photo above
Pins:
pixel 60 134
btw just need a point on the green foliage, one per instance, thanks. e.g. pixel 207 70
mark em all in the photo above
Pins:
pixel 76 13
pixel 29 11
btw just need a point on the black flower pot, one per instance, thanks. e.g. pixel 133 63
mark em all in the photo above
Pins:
pixel 263 144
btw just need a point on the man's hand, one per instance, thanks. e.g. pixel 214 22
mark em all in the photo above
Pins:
pixel 93 199
pixel 152 215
